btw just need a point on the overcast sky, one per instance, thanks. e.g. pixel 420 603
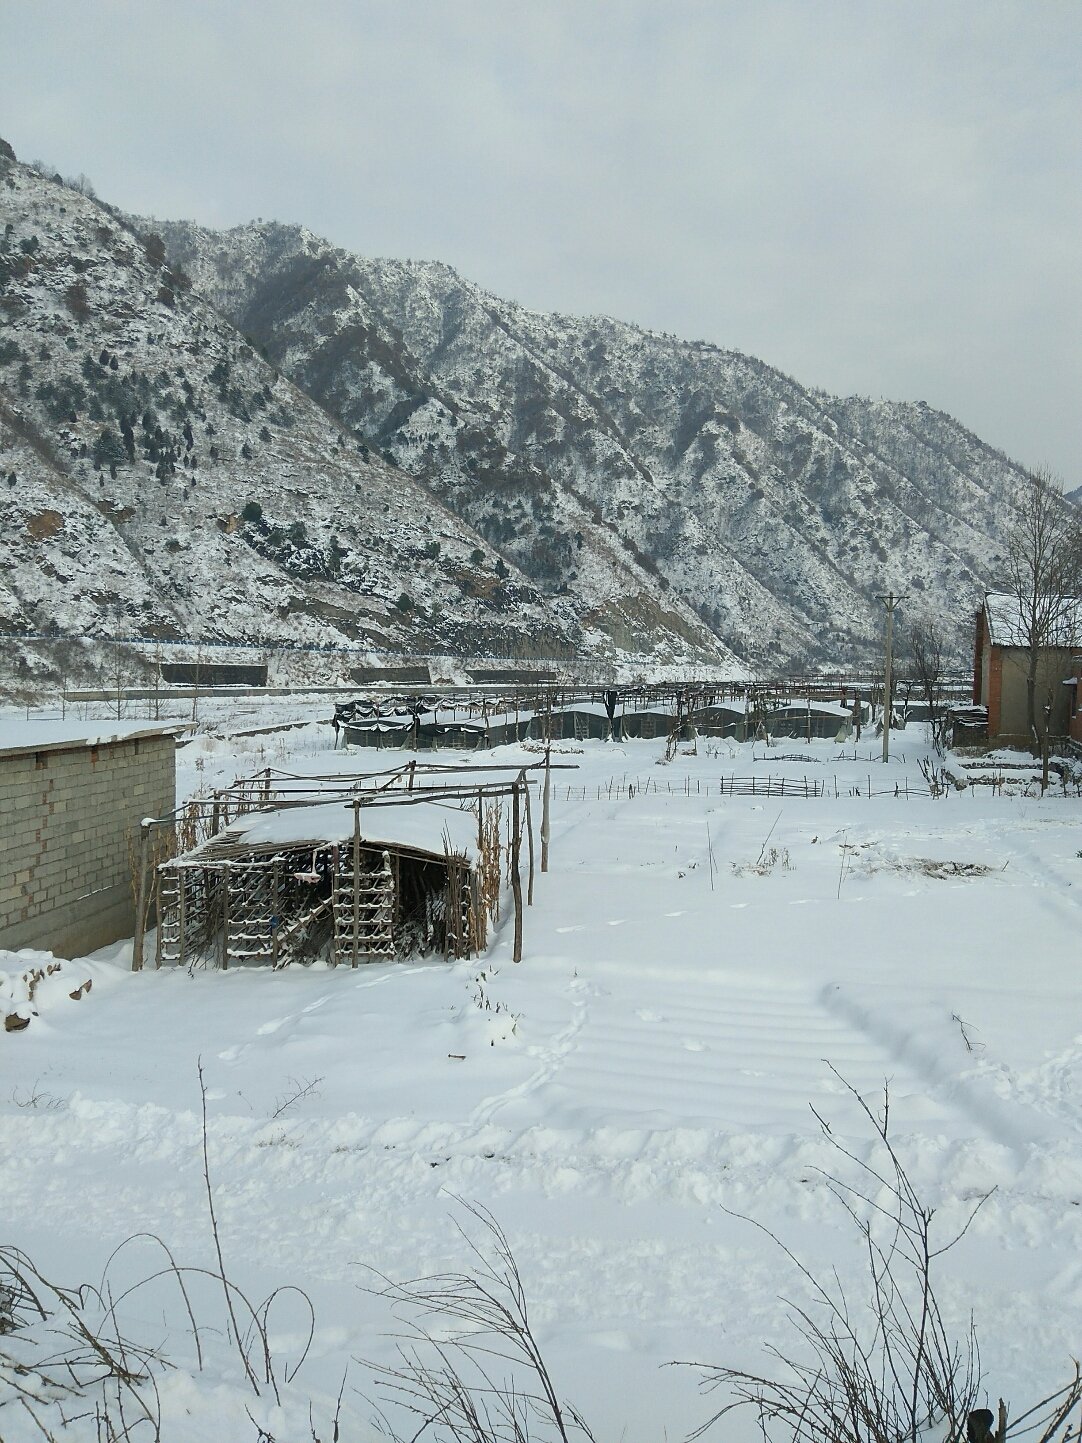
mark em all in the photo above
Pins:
pixel 877 198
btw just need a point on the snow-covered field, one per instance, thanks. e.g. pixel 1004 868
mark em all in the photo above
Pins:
pixel 700 972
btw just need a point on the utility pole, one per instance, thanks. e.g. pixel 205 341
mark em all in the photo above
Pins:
pixel 890 601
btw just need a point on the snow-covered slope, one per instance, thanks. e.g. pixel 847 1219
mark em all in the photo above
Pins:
pixel 162 479
pixel 628 1102
pixel 777 512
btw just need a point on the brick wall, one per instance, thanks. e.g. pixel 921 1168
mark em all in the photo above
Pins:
pixel 65 876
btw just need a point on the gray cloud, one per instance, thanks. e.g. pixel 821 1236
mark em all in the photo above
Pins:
pixel 884 199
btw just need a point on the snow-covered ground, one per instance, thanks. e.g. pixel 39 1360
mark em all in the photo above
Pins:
pixel 700 972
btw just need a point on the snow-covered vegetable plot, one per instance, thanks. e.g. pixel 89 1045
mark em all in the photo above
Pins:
pixel 706 974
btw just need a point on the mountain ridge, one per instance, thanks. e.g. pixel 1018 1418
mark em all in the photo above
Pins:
pixel 777 510
pixel 166 480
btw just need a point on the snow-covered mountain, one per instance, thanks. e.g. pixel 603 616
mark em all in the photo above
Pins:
pixel 162 478
pixel 777 512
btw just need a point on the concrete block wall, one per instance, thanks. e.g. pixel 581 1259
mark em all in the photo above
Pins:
pixel 65 819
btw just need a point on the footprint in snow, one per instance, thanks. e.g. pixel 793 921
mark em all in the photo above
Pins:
pixel 618 923
pixel 271 1026
pixel 647 1016
pixel 569 929
pixel 690 1045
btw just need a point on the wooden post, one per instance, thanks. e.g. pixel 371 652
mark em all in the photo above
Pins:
pixel 157 919
pixel 182 920
pixel 545 811
pixel 356 875
pixel 225 918
pixel 275 930
pixel 529 837
pixel 140 898
pixel 516 880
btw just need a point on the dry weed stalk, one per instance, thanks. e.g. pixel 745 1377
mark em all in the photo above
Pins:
pixel 885 1368
pixel 161 846
pixel 491 861
pixel 469 1367
pixel 65 1358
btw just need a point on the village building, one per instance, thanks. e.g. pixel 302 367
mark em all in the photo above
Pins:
pixel 341 868
pixel 72 796
pixel 396 878
pixel 1000 664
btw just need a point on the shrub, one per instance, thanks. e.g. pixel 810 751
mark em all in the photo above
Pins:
pixel 252 513
pixel 154 247
pixel 75 299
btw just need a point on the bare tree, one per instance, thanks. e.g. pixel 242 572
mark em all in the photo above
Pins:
pixel 1044 571
pixel 930 646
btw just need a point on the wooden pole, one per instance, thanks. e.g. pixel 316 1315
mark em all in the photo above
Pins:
pixel 516 880
pixel 140 898
pixel 890 601
pixel 356 876
pixel 182 919
pixel 545 811
pixel 529 837
pixel 225 917
pixel 157 918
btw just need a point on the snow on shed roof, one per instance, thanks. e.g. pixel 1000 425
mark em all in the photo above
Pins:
pixel 420 826
pixel 1005 625
pixel 817 708
pixel 21 734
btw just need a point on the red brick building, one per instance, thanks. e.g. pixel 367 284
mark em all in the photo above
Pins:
pixel 1000 662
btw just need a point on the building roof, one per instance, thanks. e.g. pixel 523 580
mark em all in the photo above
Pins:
pixel 419 826
pixel 1005 626
pixel 20 734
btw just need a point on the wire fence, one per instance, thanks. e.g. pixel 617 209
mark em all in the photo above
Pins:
pixel 752 786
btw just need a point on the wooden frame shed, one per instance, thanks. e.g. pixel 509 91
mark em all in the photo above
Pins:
pixel 334 879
